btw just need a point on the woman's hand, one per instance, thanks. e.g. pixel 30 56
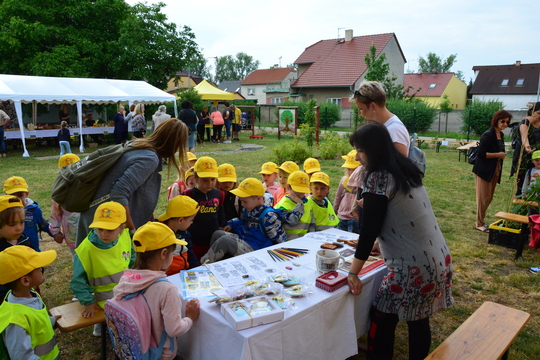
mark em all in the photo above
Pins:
pixel 355 284
pixel 529 149
pixel 502 155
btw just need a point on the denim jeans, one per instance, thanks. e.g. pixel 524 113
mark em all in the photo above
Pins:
pixel 2 142
pixel 65 148
pixel 349 225
pixel 228 124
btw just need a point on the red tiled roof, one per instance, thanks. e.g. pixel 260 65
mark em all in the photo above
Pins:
pixel 338 63
pixel 423 81
pixel 489 79
pixel 264 76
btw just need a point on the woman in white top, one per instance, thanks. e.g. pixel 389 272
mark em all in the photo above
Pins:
pixel 160 116
pixel 370 99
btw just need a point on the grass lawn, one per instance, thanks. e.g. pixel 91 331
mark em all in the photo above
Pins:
pixel 482 272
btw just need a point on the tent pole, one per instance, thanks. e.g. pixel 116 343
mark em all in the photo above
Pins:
pixel 18 110
pixel 175 109
pixel 79 120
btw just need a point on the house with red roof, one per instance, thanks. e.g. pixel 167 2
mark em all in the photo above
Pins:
pixel 268 86
pixel 515 85
pixel 432 87
pixel 330 70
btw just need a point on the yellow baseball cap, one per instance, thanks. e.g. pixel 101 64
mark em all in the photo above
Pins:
pixel 311 165
pixel 191 156
pixel 19 260
pixel 269 168
pixel 249 187
pixel 536 154
pixel 350 161
pixel 226 172
pixel 14 185
pixel 289 167
pixel 109 216
pixel 67 159
pixel 9 201
pixel 180 206
pixel 189 173
pixel 206 167
pixel 153 236
pixel 351 153
pixel 320 177
pixel 299 181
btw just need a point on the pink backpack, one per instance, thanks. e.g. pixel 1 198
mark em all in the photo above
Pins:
pixel 129 323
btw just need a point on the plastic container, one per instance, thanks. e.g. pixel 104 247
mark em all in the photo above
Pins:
pixel 331 281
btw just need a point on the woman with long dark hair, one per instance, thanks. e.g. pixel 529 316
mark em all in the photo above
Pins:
pixel 488 165
pixel 398 211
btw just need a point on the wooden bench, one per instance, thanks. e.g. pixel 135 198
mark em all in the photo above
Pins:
pixel 520 219
pixel 256 137
pixel 464 149
pixel 72 320
pixel 487 334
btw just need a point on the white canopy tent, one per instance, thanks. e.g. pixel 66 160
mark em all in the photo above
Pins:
pixel 56 90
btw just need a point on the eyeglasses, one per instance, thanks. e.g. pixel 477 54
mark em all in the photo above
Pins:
pixel 357 94
pixel 505 121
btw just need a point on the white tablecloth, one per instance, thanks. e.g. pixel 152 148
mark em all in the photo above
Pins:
pixel 16 134
pixel 323 326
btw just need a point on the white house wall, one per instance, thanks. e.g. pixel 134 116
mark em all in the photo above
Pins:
pixel 510 102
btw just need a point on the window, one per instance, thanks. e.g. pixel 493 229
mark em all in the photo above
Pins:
pixel 276 100
pixel 432 86
pixel 251 91
pixel 336 101
pixel 504 82
pixel 520 82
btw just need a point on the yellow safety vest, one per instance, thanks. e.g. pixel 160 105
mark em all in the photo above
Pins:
pixel 36 323
pixel 325 218
pixel 105 267
pixel 302 227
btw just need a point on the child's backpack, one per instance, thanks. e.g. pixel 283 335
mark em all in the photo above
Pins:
pixel 76 184
pixel 260 220
pixel 129 323
pixel 417 156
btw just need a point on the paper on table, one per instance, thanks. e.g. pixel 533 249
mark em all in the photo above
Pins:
pixel 330 236
pixel 198 283
pixel 234 273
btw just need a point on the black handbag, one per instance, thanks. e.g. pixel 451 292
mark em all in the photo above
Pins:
pixel 472 154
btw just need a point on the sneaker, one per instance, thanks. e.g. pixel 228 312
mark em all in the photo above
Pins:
pixel 74 299
pixel 97 330
pixel 535 270
pixel 227 142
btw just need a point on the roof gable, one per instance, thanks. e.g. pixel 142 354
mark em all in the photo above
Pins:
pixel 425 82
pixel 263 76
pixel 489 79
pixel 337 62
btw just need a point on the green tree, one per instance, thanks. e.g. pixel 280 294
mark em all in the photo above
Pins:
pixel 96 39
pixel 433 62
pixel 480 113
pixel 201 68
pixel 229 68
pixel 377 70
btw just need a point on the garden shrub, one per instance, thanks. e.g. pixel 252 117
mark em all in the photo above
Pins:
pixel 333 145
pixel 425 113
pixel 295 150
pixel 329 113
pixel 482 112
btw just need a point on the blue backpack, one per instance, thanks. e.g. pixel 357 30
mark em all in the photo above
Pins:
pixel 129 323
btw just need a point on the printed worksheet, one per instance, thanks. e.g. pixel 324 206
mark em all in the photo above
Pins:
pixel 198 284
pixel 235 272
pixel 330 235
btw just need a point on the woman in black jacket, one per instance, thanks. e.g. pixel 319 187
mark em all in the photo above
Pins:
pixel 488 165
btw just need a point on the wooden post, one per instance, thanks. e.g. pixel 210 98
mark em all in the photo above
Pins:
pixel 317 123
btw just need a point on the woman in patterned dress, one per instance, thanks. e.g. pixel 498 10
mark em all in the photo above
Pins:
pixel 398 212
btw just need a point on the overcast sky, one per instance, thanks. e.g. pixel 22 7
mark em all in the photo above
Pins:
pixel 480 32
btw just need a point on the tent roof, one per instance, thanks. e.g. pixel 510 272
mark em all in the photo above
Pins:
pixel 71 90
pixel 209 92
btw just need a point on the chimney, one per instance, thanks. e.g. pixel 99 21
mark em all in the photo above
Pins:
pixel 518 63
pixel 348 35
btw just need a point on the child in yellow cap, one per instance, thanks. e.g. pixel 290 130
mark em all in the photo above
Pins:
pixel 346 194
pixel 211 216
pixel 34 222
pixel 311 166
pixel 286 169
pixel 323 213
pixel 101 258
pixel 294 207
pixel 11 228
pixel 64 224
pixel 25 325
pixel 259 225
pixel 155 244
pixel 226 181
pixel 179 216
pixel 269 173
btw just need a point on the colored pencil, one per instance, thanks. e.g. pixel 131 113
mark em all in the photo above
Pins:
pixel 288 256
pixel 281 256
pixel 272 255
pixel 297 250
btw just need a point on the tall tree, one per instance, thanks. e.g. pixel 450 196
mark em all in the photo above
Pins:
pixel 377 70
pixel 96 39
pixel 229 68
pixel 433 62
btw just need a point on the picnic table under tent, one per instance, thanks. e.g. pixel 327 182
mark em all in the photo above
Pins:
pixel 58 90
